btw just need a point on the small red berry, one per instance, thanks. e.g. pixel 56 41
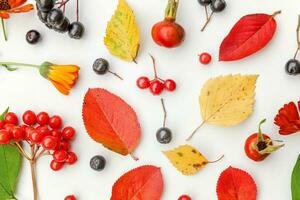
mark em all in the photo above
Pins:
pixel 5 137
pixel 72 158
pixel 55 122
pixel 11 118
pixel 205 58
pixel 70 197
pixel 44 129
pixel 60 156
pixel 68 133
pixel 56 166
pixel 42 118
pixel 18 134
pixel 143 82
pixel 36 136
pixel 2 123
pixel 56 133
pixel 9 127
pixel 29 117
pixel 170 85
pixel 156 87
pixel 64 145
pixel 50 143
pixel 184 197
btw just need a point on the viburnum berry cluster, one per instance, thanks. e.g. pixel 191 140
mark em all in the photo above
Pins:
pixel 42 135
pixel 157 85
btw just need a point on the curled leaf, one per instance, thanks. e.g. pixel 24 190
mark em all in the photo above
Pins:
pixel 10 165
pixel 110 121
pixel 250 34
pixel 236 184
pixel 187 159
pixel 142 183
pixel 288 119
pixel 122 33
pixel 295 184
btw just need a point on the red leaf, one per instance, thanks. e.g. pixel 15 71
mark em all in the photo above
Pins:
pixel 236 184
pixel 110 121
pixel 142 183
pixel 288 119
pixel 250 34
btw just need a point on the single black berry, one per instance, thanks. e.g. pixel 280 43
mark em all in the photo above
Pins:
pixel 76 30
pixel 204 2
pixel 98 163
pixel 64 27
pixel 101 66
pixel 42 16
pixel 33 36
pixel 292 67
pixel 217 5
pixel 164 135
pixel 45 5
pixel 55 17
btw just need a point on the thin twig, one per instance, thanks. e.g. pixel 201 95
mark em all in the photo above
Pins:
pixel 154 66
pixel 298 38
pixel 206 12
pixel 165 111
pixel 33 172
pixel 207 21
pixel 22 151
pixel 77 10
pixel 115 74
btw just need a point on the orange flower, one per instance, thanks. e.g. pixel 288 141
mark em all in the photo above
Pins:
pixel 63 77
pixel 13 6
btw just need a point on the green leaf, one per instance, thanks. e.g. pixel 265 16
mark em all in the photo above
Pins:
pixel 296 181
pixel 10 165
pixel 3 114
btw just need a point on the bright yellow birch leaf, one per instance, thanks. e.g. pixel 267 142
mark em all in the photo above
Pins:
pixel 122 33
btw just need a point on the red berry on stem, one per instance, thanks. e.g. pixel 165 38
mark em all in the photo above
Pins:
pixel 42 118
pixel 29 117
pixel 60 156
pixel 64 145
pixel 2 123
pixel 143 82
pixel 56 133
pixel 184 197
pixel 56 166
pixel 72 158
pixel 55 122
pixel 36 136
pixel 5 137
pixel 170 85
pixel 18 134
pixel 9 127
pixel 205 58
pixel 68 133
pixel 156 87
pixel 11 118
pixel 70 197
pixel 50 143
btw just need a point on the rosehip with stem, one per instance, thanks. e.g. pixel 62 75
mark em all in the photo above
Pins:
pixel 42 118
pixel 168 33
pixel 29 117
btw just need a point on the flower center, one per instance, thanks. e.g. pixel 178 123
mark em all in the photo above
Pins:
pixel 4 5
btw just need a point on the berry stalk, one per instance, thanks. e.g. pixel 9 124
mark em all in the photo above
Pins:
pixel 298 38
pixel 18 64
pixel 3 29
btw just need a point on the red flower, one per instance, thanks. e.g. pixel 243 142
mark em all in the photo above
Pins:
pixel 13 6
pixel 288 119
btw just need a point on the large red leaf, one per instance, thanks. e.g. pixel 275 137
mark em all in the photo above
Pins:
pixel 250 34
pixel 236 184
pixel 110 121
pixel 142 183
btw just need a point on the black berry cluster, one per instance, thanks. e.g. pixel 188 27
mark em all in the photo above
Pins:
pixel 52 15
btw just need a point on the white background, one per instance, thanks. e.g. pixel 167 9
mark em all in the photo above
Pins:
pixel 25 89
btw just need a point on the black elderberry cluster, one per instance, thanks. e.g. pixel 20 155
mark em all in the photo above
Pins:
pixel 54 18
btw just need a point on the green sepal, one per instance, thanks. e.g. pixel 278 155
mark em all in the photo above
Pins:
pixel 3 114
pixel 44 69
pixel 8 68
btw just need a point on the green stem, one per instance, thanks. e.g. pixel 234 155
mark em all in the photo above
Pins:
pixel 3 29
pixel 171 10
pixel 19 64
pixel 260 135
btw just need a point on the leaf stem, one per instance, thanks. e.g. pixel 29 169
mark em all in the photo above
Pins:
pixel 210 162
pixel 165 111
pixel 195 131
pixel 18 64
pixel 134 157
pixel 3 29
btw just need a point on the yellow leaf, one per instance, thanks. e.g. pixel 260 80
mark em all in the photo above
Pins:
pixel 228 100
pixel 122 33
pixel 187 159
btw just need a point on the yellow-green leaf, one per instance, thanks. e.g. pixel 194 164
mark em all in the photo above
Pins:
pixel 186 159
pixel 122 33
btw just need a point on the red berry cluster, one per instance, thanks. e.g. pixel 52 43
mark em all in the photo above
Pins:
pixel 157 85
pixel 44 134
